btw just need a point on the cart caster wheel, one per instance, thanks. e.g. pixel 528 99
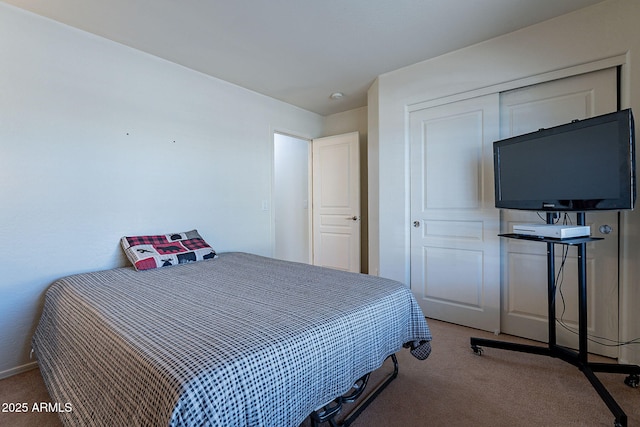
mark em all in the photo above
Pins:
pixel 476 350
pixel 632 380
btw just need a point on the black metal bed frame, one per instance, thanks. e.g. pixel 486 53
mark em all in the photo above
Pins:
pixel 331 410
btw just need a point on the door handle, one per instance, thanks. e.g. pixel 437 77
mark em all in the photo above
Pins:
pixel 353 218
pixel 416 224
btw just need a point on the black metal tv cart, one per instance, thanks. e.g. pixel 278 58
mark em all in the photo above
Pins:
pixel 577 358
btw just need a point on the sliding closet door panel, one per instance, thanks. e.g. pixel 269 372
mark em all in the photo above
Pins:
pixel 524 311
pixel 454 224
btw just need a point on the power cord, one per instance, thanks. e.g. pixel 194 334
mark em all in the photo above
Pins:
pixel 606 342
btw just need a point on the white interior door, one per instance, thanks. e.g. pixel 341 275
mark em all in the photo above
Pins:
pixel 336 202
pixel 524 311
pixel 455 248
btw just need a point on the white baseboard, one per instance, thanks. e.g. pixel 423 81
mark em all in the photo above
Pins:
pixel 18 369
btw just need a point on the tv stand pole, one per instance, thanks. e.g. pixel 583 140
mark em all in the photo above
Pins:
pixel 577 358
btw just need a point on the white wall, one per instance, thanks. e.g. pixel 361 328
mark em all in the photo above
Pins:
pixel 606 30
pixel 98 141
pixel 373 166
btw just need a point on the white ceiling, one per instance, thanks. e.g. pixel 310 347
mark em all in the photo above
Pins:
pixel 300 51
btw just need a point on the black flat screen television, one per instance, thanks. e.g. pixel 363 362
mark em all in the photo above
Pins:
pixel 584 165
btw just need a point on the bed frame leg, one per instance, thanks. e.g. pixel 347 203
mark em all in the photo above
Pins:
pixel 329 412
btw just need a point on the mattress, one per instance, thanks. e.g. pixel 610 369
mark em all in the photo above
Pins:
pixel 239 340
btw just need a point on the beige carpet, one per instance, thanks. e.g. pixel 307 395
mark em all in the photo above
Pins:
pixel 453 387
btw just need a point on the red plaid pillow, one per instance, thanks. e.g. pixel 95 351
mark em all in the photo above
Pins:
pixel 146 252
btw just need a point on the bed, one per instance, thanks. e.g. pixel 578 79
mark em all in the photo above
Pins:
pixel 238 339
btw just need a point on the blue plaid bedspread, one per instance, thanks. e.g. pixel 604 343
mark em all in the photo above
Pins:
pixel 240 340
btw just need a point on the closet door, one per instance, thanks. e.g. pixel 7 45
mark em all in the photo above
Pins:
pixel 524 310
pixel 455 251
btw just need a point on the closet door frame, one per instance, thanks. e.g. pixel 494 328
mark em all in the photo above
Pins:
pixel 614 61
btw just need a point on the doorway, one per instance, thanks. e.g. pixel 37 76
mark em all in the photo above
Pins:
pixel 291 198
pixel 323 229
